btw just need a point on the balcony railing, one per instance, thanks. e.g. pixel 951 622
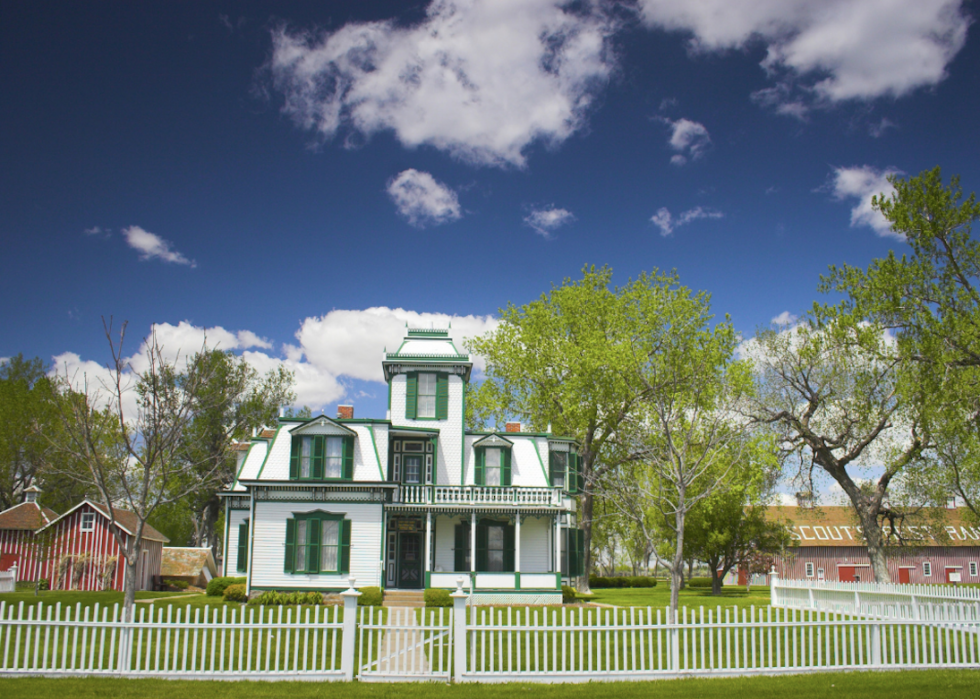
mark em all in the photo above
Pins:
pixel 477 495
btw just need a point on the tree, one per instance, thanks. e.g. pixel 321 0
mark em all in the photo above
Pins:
pixel 26 412
pixel 930 300
pixel 225 409
pixel 571 360
pixel 830 389
pixel 135 460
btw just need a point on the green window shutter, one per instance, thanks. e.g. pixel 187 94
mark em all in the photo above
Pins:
pixel 290 546
pixel 442 396
pixel 243 547
pixel 579 552
pixel 294 458
pixel 505 467
pixel 509 549
pixel 552 467
pixel 347 470
pixel 579 474
pixel 313 529
pixel 411 395
pixel 344 546
pixel 482 537
pixel 481 458
pixel 318 457
pixel 571 554
pixel 462 544
pixel 571 480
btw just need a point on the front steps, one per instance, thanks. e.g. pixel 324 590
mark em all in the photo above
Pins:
pixel 404 598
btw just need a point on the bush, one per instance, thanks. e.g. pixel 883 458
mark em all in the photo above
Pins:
pixel 216 588
pixel 567 594
pixel 435 597
pixel 370 597
pixel 274 598
pixel 700 583
pixel 176 584
pixel 599 582
pixel 235 593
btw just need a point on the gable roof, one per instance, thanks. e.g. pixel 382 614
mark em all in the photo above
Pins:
pixel 320 421
pixel 838 526
pixel 125 520
pixel 27 516
pixel 493 440
pixel 183 561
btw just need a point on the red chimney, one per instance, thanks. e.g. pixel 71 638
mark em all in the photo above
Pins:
pixel 345 412
pixel 513 427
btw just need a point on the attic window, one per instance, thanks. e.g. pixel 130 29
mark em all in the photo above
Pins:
pixel 88 522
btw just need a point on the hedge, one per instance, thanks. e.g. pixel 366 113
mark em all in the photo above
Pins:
pixel 235 593
pixel 567 594
pixel 700 583
pixel 599 582
pixel 273 598
pixel 370 597
pixel 434 597
pixel 216 588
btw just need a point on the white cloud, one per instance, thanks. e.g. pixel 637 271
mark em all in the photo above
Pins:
pixel 422 200
pixel 546 221
pixel 98 230
pixel 667 223
pixel 832 50
pixel 689 138
pixel 784 318
pixel 862 183
pixel 150 245
pixel 878 130
pixel 341 344
pixel 480 80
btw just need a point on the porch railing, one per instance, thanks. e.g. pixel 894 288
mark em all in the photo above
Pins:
pixel 477 495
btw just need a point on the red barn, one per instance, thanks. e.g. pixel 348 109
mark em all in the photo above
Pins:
pixel 937 547
pixel 84 555
pixel 17 539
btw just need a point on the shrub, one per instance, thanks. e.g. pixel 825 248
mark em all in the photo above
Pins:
pixel 177 584
pixel 235 593
pixel 700 583
pixel 599 582
pixel 216 588
pixel 370 597
pixel 567 594
pixel 274 598
pixel 435 597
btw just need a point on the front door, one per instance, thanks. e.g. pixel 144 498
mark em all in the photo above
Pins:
pixel 409 561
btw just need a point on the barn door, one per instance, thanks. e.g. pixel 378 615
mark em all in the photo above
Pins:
pixel 7 560
pixel 845 573
pixel 904 576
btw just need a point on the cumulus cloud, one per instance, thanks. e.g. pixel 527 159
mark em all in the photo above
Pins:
pixel 98 230
pixel 878 130
pixel 783 319
pixel 479 80
pixel 689 139
pixel 341 344
pixel 546 221
pixel 150 246
pixel 833 50
pixel 422 200
pixel 666 222
pixel 862 183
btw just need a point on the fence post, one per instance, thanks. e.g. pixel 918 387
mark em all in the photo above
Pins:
pixel 857 602
pixel 773 582
pixel 459 631
pixel 915 609
pixel 349 641
pixel 876 644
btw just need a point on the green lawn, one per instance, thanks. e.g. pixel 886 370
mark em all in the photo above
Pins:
pixel 950 684
pixel 689 597
pixel 73 597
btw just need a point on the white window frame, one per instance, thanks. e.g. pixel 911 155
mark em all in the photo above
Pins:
pixel 497 468
pixel 973 569
pixel 927 569
pixel 809 569
pixel 88 522
pixel 426 408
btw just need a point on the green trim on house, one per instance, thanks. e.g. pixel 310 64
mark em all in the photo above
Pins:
pixel 377 457
pixel 462 455
pixel 267 452
pixel 309 588
pixel 449 358
pixel 224 562
pixel 468 575
pixel 242 467
pixel 408 428
pixel 547 476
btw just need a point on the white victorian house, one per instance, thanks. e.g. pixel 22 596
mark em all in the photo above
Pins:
pixel 404 502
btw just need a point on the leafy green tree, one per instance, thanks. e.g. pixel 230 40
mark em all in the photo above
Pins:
pixel 573 361
pixel 929 299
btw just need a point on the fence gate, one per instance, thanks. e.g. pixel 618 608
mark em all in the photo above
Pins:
pixel 400 643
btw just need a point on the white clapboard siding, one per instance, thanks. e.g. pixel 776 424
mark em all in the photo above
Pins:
pixel 235 519
pixel 269 539
pixel 536 550
pixel 448 462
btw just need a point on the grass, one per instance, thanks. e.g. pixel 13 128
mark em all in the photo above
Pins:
pixel 950 684
pixel 689 597
pixel 73 597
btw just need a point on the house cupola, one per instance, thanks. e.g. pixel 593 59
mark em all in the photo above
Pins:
pixel 31 493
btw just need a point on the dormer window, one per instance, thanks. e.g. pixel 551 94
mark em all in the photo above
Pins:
pixel 565 469
pixel 426 396
pixel 493 461
pixel 321 457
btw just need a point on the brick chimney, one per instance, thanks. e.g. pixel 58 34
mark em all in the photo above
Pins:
pixel 345 412
pixel 513 427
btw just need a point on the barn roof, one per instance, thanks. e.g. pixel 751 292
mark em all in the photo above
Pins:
pixel 838 526
pixel 180 561
pixel 27 516
pixel 125 520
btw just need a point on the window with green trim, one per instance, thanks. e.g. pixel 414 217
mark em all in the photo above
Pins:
pixel 493 466
pixel 494 547
pixel 321 457
pixel 317 542
pixel 426 396
pixel 565 471
pixel 243 547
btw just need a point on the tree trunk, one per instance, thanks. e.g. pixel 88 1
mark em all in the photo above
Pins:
pixel 129 586
pixel 677 568
pixel 875 543
pixel 588 505
pixel 716 577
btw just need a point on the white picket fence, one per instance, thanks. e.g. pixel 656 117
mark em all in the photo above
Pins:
pixel 910 602
pixel 8 580
pixel 472 644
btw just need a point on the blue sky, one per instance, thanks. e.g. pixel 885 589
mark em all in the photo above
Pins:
pixel 297 180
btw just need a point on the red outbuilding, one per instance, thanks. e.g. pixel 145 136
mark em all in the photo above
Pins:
pixel 17 538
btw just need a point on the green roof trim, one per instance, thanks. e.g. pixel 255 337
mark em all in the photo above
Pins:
pixel 392 357
pixel 429 430
pixel 427 332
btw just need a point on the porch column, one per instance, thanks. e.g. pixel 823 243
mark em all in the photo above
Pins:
pixel 428 542
pixel 473 541
pixel 517 545
pixel 558 542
